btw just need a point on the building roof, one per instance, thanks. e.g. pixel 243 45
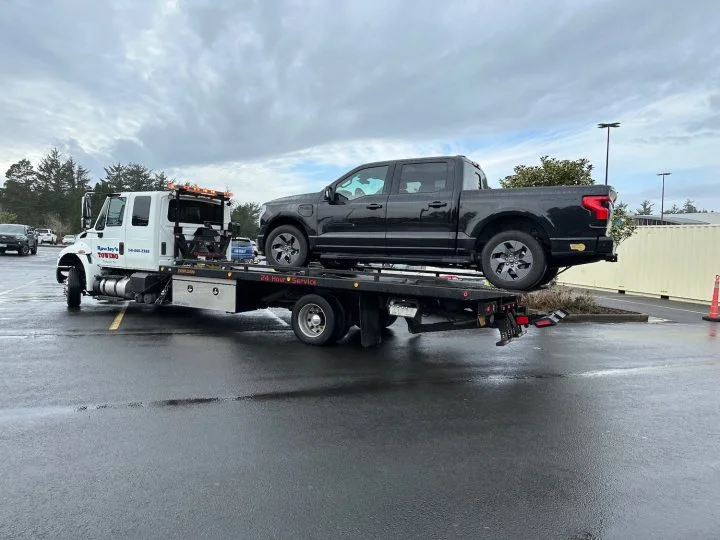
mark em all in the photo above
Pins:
pixel 704 218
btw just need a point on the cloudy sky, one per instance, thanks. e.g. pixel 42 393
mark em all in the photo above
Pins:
pixel 275 97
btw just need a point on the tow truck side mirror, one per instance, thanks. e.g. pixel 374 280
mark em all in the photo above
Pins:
pixel 86 221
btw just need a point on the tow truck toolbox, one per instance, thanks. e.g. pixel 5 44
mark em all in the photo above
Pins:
pixel 173 247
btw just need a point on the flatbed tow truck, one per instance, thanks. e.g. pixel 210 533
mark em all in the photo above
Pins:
pixel 173 248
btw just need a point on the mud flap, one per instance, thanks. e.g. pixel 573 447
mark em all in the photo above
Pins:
pixel 509 329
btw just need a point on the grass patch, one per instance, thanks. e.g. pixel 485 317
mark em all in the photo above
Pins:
pixel 572 301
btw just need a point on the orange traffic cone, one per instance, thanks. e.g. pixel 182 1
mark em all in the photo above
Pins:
pixel 713 315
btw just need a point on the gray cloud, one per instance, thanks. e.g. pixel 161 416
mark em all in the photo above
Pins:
pixel 229 80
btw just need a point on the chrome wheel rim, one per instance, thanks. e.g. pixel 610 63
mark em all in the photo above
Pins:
pixel 285 249
pixel 312 320
pixel 511 260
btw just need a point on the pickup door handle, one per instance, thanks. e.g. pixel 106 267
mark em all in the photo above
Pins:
pixel 374 206
pixel 437 204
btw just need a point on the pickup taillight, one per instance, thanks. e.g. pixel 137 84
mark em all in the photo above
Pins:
pixel 598 205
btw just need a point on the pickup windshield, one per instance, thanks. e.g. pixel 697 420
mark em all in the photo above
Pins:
pixel 12 229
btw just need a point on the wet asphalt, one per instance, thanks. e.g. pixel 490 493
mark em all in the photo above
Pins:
pixel 182 424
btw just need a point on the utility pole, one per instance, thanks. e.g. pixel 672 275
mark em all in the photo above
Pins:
pixel 607 148
pixel 662 197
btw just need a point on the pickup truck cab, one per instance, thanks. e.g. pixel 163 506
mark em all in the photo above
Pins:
pixel 440 211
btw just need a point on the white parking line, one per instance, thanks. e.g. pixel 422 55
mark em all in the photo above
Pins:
pixel 275 315
pixel 20 287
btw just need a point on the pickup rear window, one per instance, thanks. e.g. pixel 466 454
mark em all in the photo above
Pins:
pixel 473 177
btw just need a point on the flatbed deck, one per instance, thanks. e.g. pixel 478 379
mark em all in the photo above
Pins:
pixel 368 298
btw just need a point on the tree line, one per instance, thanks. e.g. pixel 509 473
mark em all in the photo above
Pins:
pixel 48 194
pixel 646 209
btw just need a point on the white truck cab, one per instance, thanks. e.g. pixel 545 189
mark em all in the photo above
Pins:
pixel 143 231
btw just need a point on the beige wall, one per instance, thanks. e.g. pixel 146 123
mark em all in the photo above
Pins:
pixel 678 261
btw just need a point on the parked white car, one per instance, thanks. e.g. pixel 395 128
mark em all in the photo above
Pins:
pixel 47 236
pixel 69 239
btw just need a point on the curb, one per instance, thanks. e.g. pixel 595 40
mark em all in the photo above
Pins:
pixel 630 316
pixel 606 318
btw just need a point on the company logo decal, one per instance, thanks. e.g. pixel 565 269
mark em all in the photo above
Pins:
pixel 107 252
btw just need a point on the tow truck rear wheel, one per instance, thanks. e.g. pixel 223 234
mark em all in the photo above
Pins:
pixel 73 288
pixel 314 320
pixel 342 320
pixel 387 320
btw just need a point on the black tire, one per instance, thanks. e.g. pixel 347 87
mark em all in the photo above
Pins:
pixel 525 267
pixel 290 247
pixel 342 324
pixel 308 331
pixel 387 320
pixel 33 251
pixel 550 274
pixel 24 250
pixel 2 251
pixel 73 288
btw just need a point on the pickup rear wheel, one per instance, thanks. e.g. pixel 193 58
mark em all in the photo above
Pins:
pixel 550 274
pixel 513 260
pixel 313 320
pixel 286 246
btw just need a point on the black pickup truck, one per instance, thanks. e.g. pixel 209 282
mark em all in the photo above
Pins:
pixel 440 211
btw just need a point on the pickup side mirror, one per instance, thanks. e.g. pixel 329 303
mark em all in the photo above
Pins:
pixel 329 194
pixel 86 221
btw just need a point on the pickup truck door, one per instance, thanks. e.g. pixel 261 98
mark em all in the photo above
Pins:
pixel 355 221
pixel 422 209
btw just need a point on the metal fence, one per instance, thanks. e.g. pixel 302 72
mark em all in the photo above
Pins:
pixel 677 261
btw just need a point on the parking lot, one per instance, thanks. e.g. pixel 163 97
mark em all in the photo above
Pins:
pixel 134 421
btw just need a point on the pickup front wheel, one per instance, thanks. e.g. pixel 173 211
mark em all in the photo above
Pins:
pixel 513 260
pixel 286 246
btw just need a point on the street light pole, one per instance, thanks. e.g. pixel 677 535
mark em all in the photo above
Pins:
pixel 607 148
pixel 662 197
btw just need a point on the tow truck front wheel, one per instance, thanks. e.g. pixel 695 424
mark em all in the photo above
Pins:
pixel 314 320
pixel 73 288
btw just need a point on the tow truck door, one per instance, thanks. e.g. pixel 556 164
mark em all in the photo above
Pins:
pixel 141 235
pixel 108 237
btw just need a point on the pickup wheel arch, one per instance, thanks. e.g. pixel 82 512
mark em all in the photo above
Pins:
pixel 511 222
pixel 287 220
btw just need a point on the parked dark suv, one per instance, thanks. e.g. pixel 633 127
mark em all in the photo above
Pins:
pixel 20 238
